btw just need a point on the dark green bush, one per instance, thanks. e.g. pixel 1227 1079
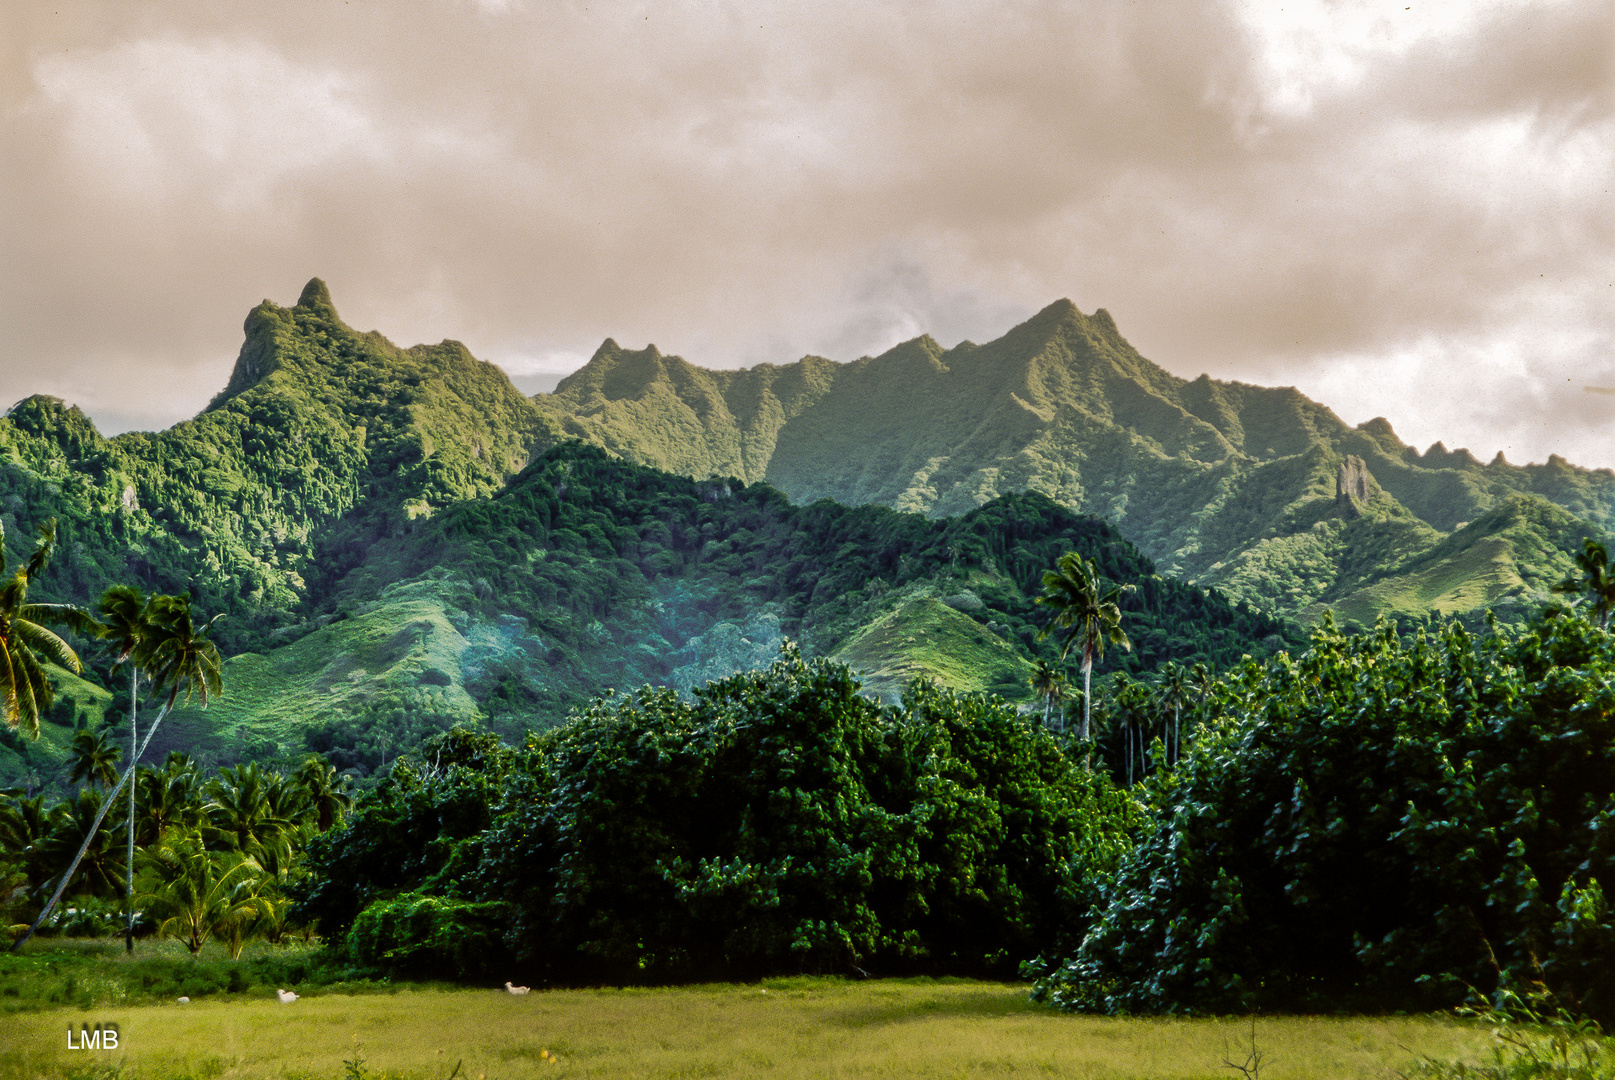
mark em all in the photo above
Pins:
pixel 421 935
pixel 1377 824
pixel 780 821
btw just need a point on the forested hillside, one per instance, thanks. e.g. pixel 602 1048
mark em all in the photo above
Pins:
pixel 1258 490
pixel 343 505
pixel 588 573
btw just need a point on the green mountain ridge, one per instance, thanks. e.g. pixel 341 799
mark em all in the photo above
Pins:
pixel 1222 482
pixel 323 440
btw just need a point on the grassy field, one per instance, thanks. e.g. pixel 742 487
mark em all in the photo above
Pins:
pixel 779 1028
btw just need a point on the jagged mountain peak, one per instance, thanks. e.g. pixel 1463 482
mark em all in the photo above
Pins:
pixel 316 297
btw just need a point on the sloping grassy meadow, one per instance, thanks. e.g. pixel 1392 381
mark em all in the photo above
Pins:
pixel 803 1027
pixel 928 639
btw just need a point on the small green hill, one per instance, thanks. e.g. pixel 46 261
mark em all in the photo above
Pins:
pixel 1507 560
pixel 926 638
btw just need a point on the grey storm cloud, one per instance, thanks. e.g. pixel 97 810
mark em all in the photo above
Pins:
pixel 1405 210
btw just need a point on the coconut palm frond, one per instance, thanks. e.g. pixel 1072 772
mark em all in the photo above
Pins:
pixel 46 643
pixel 44 547
pixel 71 616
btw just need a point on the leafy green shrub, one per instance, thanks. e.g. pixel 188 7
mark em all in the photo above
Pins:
pixel 428 935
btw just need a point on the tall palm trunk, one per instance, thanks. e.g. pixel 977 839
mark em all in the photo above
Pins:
pixel 129 866
pixel 1087 702
pixel 61 886
pixel 1087 694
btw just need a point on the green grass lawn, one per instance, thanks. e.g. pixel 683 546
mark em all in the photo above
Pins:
pixel 802 1027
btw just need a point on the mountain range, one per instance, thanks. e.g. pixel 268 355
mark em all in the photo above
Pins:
pixel 1259 491
pixel 400 539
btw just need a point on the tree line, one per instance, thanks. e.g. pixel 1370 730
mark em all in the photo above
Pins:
pixel 1384 819
pixel 210 859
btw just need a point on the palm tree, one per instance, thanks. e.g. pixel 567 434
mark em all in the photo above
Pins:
pixel 94 759
pixel 1203 683
pixel 248 810
pixel 196 894
pixel 1172 691
pixel 124 609
pixel 1084 612
pixel 25 644
pixel 1132 710
pixel 1048 684
pixel 23 822
pixel 25 827
pixel 76 826
pixel 1597 580
pixel 325 790
pixel 172 797
pixel 176 655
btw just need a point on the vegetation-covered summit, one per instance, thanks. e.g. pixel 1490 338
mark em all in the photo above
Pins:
pixel 343 503
pixel 348 507
pixel 323 440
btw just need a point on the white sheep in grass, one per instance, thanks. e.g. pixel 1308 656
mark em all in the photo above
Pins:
pixel 516 989
pixel 286 996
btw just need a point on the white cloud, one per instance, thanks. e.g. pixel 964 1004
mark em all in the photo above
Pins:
pixel 230 122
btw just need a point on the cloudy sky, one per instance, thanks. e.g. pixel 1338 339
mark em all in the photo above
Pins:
pixel 1405 209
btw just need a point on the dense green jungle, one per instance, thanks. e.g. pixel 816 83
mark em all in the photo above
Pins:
pixel 506 693
pixel 1381 821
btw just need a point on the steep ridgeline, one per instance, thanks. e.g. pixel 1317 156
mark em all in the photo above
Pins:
pixel 1260 491
pixel 589 572
pixel 324 439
